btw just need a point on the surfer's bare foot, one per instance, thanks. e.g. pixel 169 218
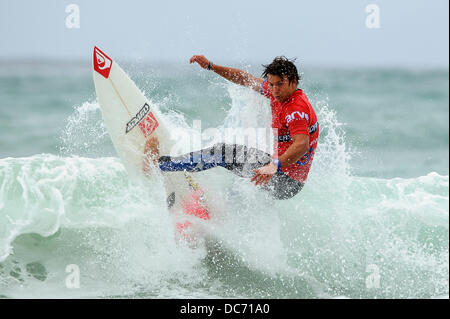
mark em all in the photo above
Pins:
pixel 151 153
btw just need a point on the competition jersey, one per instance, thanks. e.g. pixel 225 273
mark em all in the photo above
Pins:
pixel 295 116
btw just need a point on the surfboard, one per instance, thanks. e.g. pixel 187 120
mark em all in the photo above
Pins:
pixel 130 119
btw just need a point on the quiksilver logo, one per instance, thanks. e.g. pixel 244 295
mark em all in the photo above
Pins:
pixel 139 117
pixel 102 62
pixel 292 117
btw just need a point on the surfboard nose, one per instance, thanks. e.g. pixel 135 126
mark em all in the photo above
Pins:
pixel 102 63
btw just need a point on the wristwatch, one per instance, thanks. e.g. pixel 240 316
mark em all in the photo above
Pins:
pixel 277 162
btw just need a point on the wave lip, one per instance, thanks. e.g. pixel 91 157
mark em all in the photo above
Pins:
pixel 42 193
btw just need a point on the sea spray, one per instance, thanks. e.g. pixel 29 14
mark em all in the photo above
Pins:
pixel 85 133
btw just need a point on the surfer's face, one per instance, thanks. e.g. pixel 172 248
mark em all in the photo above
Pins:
pixel 280 87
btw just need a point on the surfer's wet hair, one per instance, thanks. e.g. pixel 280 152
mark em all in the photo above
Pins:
pixel 282 66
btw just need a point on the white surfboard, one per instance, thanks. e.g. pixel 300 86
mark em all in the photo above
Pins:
pixel 130 119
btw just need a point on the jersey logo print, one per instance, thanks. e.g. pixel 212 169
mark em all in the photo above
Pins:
pixel 292 117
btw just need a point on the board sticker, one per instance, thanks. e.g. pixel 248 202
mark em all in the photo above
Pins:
pixel 102 63
pixel 139 117
pixel 148 125
pixel 145 120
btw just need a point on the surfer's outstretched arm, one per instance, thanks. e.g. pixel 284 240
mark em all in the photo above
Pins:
pixel 231 74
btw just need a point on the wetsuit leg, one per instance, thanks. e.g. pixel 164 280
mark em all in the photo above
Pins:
pixel 239 159
pixel 281 186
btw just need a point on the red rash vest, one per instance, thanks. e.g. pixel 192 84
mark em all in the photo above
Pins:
pixel 295 116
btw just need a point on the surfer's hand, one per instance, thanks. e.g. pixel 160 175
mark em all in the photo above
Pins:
pixel 151 153
pixel 264 174
pixel 201 60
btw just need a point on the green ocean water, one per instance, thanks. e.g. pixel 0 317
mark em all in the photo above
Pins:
pixel 372 221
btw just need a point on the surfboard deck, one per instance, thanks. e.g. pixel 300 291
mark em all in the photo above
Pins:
pixel 130 119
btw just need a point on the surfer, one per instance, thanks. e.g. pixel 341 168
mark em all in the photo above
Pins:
pixel 294 125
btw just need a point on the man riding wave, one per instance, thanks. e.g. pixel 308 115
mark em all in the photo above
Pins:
pixel 294 125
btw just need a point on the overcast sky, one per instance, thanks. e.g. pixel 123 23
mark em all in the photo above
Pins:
pixel 320 32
